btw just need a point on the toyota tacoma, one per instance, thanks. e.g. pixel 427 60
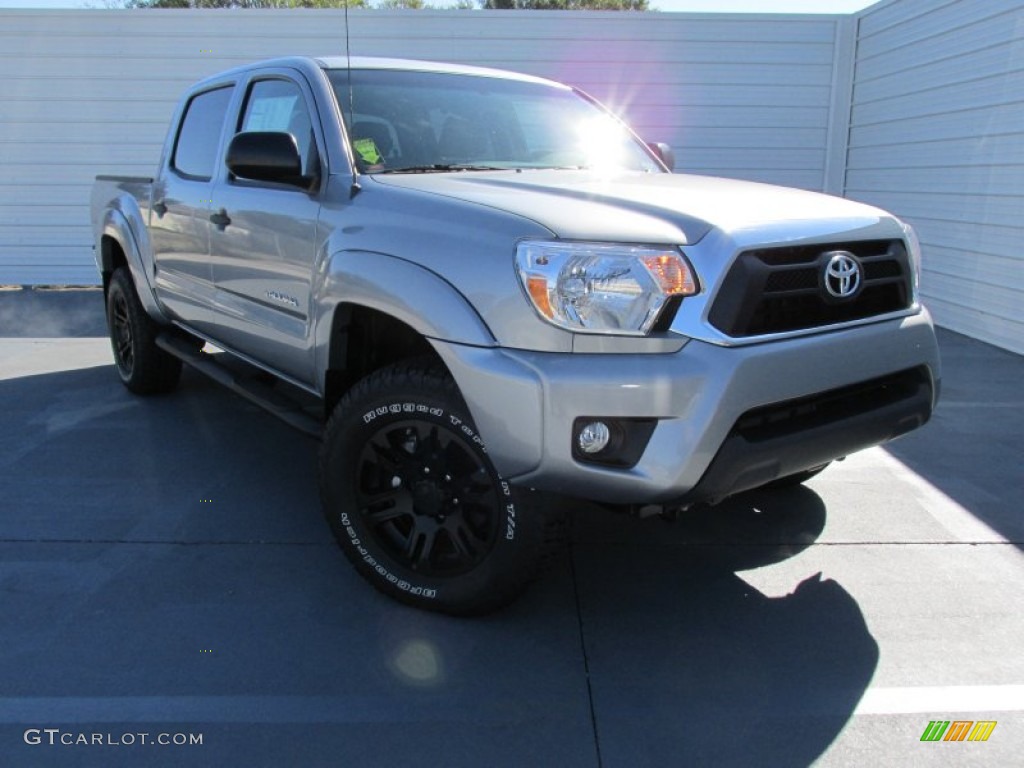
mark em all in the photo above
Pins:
pixel 479 289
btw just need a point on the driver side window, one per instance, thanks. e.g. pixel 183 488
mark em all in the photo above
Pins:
pixel 278 105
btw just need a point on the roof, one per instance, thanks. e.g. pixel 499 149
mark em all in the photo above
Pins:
pixel 372 62
pixel 308 63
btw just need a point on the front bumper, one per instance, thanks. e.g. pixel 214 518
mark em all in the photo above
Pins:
pixel 707 401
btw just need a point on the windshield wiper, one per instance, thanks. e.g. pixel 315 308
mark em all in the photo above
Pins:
pixel 442 168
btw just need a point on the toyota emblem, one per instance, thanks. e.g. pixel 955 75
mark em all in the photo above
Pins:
pixel 842 274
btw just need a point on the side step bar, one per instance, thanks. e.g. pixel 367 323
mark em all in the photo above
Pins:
pixel 252 387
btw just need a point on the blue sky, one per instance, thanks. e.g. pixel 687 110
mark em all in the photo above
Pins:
pixel 702 6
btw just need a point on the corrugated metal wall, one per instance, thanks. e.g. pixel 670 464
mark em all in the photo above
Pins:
pixel 914 105
pixel 87 92
pixel 937 137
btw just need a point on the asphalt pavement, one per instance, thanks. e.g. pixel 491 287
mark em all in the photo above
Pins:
pixel 170 595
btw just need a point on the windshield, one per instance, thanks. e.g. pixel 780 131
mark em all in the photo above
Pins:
pixel 407 121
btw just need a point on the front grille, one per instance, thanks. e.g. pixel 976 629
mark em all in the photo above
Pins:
pixel 775 290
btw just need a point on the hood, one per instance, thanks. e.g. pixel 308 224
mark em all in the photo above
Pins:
pixel 643 207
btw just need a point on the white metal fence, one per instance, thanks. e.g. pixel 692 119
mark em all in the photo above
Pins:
pixel 87 92
pixel 937 136
pixel 915 105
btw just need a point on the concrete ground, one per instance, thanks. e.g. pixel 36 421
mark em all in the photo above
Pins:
pixel 164 570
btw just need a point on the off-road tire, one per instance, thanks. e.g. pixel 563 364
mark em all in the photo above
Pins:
pixel 416 504
pixel 143 367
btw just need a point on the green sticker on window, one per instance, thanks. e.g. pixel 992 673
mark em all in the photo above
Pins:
pixel 367 150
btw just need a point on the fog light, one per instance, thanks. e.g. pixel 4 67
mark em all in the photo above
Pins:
pixel 594 437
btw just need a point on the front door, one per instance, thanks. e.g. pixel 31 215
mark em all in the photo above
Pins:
pixel 264 238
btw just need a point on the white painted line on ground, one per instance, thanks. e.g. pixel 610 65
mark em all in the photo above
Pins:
pixel 941 700
pixel 926 700
pixel 958 521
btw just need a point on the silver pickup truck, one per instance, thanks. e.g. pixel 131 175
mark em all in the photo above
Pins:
pixel 479 289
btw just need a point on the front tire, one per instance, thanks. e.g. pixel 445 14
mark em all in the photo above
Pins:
pixel 143 367
pixel 416 504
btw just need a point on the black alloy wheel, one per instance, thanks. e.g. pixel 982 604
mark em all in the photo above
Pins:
pixel 143 367
pixel 427 499
pixel 121 334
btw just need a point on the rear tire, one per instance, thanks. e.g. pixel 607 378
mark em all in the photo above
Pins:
pixel 416 504
pixel 143 367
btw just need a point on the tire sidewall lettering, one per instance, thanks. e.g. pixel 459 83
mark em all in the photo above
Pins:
pixel 411 408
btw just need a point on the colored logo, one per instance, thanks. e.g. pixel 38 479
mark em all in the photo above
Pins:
pixel 958 730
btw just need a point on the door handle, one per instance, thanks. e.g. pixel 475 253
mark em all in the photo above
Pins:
pixel 220 219
pixel 159 208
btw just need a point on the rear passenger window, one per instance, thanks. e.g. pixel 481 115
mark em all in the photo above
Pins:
pixel 195 152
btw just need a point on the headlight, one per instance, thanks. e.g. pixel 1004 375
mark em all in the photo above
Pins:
pixel 602 288
pixel 915 257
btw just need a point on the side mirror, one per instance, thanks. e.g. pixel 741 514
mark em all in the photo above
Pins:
pixel 267 156
pixel 664 153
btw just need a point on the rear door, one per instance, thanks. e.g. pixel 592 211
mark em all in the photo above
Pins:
pixel 264 238
pixel 179 223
